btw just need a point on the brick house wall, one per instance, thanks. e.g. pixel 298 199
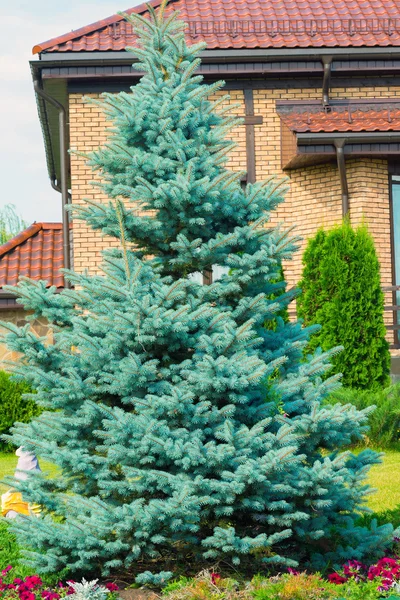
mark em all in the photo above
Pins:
pixel 314 198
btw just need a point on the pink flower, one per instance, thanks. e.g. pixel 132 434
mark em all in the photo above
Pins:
pixel 386 585
pixel 49 595
pixel 6 570
pixel 112 587
pixel 355 569
pixel 70 589
pixel 292 571
pixel 214 578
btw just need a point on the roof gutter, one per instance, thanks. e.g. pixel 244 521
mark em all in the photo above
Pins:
pixel 229 55
pixel 63 187
pixel 353 137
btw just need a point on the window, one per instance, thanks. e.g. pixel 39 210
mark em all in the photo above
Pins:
pixel 209 276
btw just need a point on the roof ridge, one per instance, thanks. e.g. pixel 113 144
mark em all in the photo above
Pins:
pixel 52 225
pixel 20 238
pixel 87 29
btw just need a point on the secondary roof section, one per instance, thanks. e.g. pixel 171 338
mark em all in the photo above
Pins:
pixel 36 252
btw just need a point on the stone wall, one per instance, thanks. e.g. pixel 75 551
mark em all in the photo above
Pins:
pixel 18 316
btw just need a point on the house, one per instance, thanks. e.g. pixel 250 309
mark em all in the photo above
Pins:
pixel 318 85
pixel 37 253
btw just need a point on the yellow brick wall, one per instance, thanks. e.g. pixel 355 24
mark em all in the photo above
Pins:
pixel 88 132
pixel 314 198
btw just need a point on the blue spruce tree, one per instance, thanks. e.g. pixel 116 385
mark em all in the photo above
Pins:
pixel 185 430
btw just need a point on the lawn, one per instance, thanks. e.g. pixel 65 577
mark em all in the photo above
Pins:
pixel 385 502
pixel 8 462
pixel 385 478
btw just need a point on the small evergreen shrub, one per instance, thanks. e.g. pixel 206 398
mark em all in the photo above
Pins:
pixel 15 405
pixel 384 420
pixel 342 291
pixel 88 590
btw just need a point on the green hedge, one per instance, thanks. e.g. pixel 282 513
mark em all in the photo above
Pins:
pixel 384 421
pixel 13 405
pixel 341 291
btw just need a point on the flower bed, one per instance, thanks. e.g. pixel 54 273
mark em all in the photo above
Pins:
pixel 354 581
pixel 33 587
pixel 289 586
pixel 386 571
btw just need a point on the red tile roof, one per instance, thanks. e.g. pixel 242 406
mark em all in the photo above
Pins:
pixel 253 24
pixel 349 118
pixel 36 252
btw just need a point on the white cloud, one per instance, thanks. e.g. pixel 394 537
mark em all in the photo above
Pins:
pixel 24 179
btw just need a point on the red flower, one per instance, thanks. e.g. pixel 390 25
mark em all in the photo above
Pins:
pixel 214 578
pixel 336 578
pixel 387 568
pixel 6 570
pixel 33 581
pixel 49 595
pixel 112 587
pixel 25 595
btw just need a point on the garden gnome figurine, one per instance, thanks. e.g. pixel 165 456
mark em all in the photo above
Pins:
pixel 12 502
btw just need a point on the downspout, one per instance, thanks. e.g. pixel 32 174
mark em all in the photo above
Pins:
pixel 63 187
pixel 57 188
pixel 327 62
pixel 339 145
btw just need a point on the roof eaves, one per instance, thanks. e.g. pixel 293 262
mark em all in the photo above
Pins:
pixel 44 125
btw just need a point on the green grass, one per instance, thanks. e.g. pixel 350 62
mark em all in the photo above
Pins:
pixel 9 550
pixel 8 462
pixel 385 478
pixel 10 554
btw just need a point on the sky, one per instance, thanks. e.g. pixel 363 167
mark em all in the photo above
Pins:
pixel 24 180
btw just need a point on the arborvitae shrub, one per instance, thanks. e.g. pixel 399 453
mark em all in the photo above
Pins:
pixel 14 406
pixel 342 291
